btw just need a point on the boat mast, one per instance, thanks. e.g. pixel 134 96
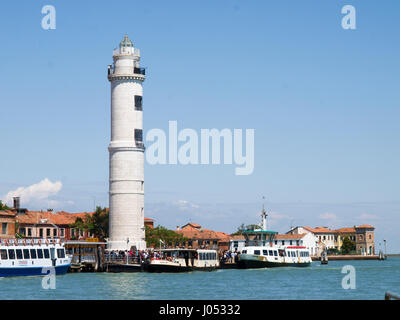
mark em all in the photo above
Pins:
pixel 263 217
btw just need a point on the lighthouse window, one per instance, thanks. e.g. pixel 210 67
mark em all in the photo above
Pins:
pixel 139 135
pixel 3 254
pixel 11 254
pixel 19 253
pixel 138 103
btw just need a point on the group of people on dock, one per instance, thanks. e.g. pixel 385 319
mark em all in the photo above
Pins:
pixel 137 256
pixel 230 256
pixel 141 256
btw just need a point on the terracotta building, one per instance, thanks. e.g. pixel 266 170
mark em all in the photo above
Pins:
pixel 45 224
pixel 365 239
pixel 203 238
pixel 362 236
pixel 7 224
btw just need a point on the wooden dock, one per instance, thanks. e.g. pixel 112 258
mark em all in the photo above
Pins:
pixel 121 267
pixel 347 257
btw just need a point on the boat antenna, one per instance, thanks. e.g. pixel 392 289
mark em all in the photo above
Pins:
pixel 264 217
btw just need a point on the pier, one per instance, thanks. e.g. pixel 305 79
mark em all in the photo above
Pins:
pixel 122 264
pixel 347 257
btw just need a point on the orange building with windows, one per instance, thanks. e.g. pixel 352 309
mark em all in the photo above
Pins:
pixel 203 238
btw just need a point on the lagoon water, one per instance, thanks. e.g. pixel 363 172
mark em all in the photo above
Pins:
pixel 373 279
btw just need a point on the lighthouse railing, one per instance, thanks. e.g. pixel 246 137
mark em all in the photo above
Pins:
pixel 135 52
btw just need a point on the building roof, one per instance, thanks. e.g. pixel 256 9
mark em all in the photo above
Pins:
pixel 50 217
pixel 346 230
pixel 8 213
pixel 368 226
pixel 319 230
pixel 237 237
pixel 191 224
pixel 195 231
pixel 290 236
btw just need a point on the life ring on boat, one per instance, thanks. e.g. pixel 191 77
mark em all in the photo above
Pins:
pixel 15 242
pixel 47 242
pixel 24 242
pixel 32 242
pixel 39 242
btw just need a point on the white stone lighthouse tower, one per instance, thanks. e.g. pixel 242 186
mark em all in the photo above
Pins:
pixel 126 149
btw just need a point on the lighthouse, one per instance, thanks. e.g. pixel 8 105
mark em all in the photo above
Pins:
pixel 126 150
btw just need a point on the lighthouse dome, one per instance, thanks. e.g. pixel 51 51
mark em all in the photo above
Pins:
pixel 126 42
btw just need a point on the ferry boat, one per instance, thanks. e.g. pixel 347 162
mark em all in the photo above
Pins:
pixel 261 252
pixel 32 257
pixel 183 260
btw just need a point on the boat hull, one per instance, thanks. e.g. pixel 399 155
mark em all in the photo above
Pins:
pixel 250 262
pixel 31 271
pixel 159 267
pixel 167 268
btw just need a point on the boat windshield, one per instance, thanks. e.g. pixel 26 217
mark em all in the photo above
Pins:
pixel 258 238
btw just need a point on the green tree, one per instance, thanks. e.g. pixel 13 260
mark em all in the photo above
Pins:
pixel 4 206
pixel 16 231
pixel 97 223
pixel 348 245
pixel 243 227
pixel 154 235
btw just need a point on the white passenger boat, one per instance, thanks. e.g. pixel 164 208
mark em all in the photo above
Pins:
pixel 261 252
pixel 32 257
pixel 183 260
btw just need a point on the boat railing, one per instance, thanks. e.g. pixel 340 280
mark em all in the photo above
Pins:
pixel 30 241
pixel 118 259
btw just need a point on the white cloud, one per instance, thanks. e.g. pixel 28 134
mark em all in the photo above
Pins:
pixel 37 194
pixel 328 216
pixel 275 215
pixel 368 216
pixel 185 205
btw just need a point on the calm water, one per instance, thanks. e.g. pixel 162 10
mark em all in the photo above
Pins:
pixel 373 279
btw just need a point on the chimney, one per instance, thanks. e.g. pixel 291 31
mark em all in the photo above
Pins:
pixel 16 203
pixel 177 228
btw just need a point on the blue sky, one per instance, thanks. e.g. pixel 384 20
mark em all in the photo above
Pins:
pixel 324 103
